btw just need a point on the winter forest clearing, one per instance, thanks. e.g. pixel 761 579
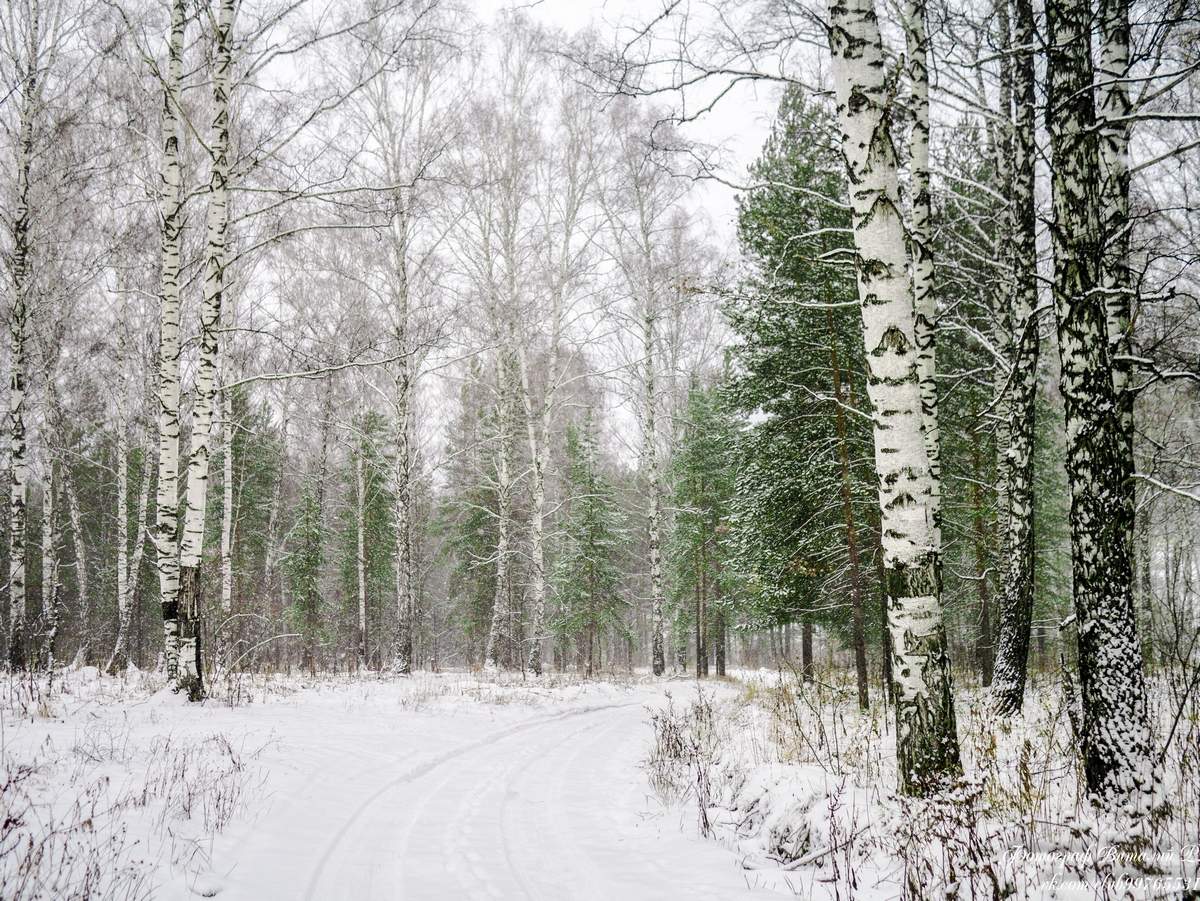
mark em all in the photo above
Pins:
pixel 674 449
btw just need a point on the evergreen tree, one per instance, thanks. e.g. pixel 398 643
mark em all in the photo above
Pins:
pixel 304 565
pixel 803 506
pixel 586 576
pixel 702 578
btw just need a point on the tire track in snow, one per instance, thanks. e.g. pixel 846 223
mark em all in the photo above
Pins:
pixel 514 867
pixel 331 848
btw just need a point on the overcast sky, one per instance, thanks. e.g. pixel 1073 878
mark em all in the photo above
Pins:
pixel 738 124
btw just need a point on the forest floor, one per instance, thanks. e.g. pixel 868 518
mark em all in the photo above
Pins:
pixel 433 787
pixel 457 786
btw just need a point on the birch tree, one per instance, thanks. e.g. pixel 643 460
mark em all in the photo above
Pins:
pixel 920 242
pixel 567 177
pixel 190 676
pixel 25 43
pixel 1016 463
pixel 494 253
pixel 927 743
pixel 50 607
pixel 1116 736
pixel 639 204
pixel 175 619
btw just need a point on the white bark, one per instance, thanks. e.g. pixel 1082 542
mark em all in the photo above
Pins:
pixel 654 485
pixel 637 216
pixel 402 483
pixel 116 662
pixel 191 546
pixel 503 463
pixel 1116 735
pixel 227 503
pixel 927 745
pixel 49 565
pixel 166 538
pixel 360 556
pixel 20 271
pixel 920 236
pixel 81 570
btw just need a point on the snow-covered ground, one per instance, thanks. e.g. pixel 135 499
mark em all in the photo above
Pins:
pixel 434 787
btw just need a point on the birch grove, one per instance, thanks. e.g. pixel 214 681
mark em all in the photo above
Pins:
pixel 849 344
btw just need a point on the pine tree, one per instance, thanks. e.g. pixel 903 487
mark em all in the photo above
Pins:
pixel 586 577
pixel 704 480
pixel 805 485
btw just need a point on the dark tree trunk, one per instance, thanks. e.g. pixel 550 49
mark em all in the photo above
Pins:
pixel 807 670
pixel 984 651
pixel 1016 602
pixel 1116 737
pixel 857 605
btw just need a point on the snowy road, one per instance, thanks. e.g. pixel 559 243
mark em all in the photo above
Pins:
pixel 552 806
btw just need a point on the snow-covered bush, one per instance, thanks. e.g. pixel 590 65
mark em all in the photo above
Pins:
pixel 795 779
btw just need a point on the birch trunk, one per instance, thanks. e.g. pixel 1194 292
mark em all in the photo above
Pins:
pixel 920 242
pixel 504 449
pixel 81 570
pixel 49 567
pixel 927 743
pixel 1116 735
pixel 190 676
pixel 405 614
pixel 654 487
pixel 1116 274
pixel 166 532
pixel 227 503
pixel 127 575
pixel 1001 147
pixel 115 662
pixel 538 432
pixel 1016 603
pixel 857 601
pixel 360 557
pixel 20 266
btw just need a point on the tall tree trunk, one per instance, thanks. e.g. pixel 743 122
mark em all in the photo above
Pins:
pixel 190 677
pixel 857 602
pixel 722 640
pixel 927 741
pixel 81 570
pixel 808 669
pixel 1001 145
pixel 127 585
pixel 402 487
pixel 18 322
pixel 654 488
pixel 360 555
pixel 1016 603
pixel 1116 738
pixel 115 665
pixel 49 566
pixel 227 431
pixel 984 652
pixel 504 450
pixel 920 240
pixel 1115 272
pixel 166 535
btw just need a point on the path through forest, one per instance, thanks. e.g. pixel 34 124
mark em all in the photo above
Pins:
pixel 550 805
